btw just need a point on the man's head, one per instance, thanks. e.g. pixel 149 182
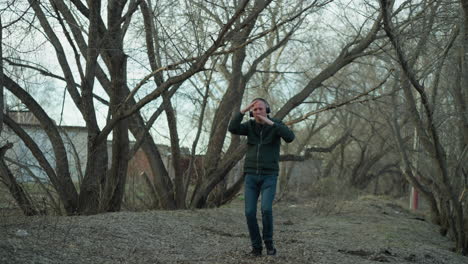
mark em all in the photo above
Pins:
pixel 260 107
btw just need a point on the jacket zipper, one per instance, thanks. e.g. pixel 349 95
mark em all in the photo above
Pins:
pixel 258 148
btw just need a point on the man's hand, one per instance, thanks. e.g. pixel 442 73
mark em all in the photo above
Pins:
pixel 247 108
pixel 265 120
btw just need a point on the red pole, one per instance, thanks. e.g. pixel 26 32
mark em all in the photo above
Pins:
pixel 414 200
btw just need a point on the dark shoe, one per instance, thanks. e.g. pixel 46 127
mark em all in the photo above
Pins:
pixel 271 250
pixel 256 252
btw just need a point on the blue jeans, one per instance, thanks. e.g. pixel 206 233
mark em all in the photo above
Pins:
pixel 254 186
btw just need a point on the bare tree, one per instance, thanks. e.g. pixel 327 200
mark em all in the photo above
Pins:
pixel 219 166
pixel 450 207
pixel 102 186
pixel 229 54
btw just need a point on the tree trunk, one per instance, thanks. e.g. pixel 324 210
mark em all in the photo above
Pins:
pixel 233 95
pixel 152 44
pixel 16 190
pixel 464 57
pixel 63 182
pixel 464 83
pixel 2 106
pixel 163 183
pixel 92 189
pixel 93 182
pixel 114 189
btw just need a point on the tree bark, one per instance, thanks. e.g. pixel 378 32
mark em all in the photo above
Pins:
pixel 2 106
pixel 117 175
pixel 93 185
pixel 461 94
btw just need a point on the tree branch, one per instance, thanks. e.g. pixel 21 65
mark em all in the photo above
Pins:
pixel 308 151
pixel 338 105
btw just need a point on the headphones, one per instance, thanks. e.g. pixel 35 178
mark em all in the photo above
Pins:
pixel 267 105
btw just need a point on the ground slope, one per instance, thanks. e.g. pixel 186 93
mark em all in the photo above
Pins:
pixel 367 230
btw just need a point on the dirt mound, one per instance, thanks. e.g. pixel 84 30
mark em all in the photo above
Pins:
pixel 367 230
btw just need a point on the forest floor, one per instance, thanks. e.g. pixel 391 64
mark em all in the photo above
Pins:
pixel 366 230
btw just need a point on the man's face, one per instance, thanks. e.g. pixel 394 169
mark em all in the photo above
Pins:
pixel 259 109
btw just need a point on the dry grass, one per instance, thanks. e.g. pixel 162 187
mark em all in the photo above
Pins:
pixel 365 230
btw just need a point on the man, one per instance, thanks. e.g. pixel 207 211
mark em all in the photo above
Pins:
pixel 261 168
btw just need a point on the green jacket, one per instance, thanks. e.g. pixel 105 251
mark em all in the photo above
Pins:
pixel 263 142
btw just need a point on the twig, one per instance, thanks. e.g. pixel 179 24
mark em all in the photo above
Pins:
pixel 337 105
